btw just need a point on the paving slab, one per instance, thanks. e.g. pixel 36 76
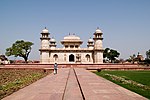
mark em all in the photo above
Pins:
pixel 72 91
pixel 98 88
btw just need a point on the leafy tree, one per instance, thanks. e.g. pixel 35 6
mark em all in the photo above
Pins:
pixel 147 60
pixel 20 48
pixel 148 54
pixel 111 54
pixel 105 53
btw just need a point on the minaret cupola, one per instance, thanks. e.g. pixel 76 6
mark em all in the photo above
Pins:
pixel 90 43
pixel 98 34
pixel 45 33
pixel 52 43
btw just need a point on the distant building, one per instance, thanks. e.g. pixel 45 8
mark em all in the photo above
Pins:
pixel 71 53
pixel 140 57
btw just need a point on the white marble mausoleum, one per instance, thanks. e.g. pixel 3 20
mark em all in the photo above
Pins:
pixel 71 53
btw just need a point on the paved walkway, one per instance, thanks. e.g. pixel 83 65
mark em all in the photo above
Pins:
pixel 74 84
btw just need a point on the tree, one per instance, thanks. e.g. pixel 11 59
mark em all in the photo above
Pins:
pixel 111 54
pixel 133 58
pixel 148 54
pixel 20 48
pixel 147 60
pixel 105 53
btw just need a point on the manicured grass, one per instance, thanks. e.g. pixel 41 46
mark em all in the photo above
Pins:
pixel 12 80
pixel 137 81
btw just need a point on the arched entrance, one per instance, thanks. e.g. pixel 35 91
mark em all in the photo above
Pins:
pixel 71 58
pixel 55 57
pixel 88 57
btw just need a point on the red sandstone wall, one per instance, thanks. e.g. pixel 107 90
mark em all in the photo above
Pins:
pixel 71 65
pixel 87 66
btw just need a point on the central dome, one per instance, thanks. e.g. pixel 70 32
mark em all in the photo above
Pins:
pixel 71 37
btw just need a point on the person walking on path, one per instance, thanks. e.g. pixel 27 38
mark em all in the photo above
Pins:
pixel 55 68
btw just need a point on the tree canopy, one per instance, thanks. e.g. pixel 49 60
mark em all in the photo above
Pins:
pixel 111 54
pixel 148 54
pixel 20 48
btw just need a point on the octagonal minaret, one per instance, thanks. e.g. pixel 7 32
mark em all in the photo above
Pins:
pixel 98 46
pixel 44 53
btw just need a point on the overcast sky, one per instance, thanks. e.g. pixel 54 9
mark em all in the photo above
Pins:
pixel 125 23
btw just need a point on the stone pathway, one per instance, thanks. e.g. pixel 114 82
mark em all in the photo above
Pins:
pixel 74 84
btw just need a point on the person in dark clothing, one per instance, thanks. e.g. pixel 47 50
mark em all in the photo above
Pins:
pixel 55 68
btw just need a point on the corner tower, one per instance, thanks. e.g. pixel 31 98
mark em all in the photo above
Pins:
pixel 90 44
pixel 52 43
pixel 44 53
pixel 98 46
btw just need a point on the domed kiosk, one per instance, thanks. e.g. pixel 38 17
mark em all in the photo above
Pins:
pixel 71 41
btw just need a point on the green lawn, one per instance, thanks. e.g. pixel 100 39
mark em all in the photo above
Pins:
pixel 137 81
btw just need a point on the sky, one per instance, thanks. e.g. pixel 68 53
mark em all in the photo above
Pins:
pixel 125 23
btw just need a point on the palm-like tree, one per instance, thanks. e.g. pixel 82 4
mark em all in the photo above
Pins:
pixel 133 57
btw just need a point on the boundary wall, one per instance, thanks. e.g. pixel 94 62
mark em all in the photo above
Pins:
pixel 86 66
